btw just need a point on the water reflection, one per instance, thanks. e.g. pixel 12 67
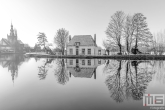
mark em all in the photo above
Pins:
pixel 95 79
pixel 84 68
pixel 128 79
pixel 61 72
pixel 43 69
pixel 160 74
pixel 12 62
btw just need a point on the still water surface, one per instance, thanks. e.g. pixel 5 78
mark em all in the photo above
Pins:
pixel 77 84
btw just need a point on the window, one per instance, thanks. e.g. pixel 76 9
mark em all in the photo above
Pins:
pixel 83 51
pixel 76 60
pixel 89 51
pixel 89 62
pixel 99 52
pixel 71 62
pixel 77 51
pixel 83 62
pixel 71 51
pixel 99 61
pixel 77 43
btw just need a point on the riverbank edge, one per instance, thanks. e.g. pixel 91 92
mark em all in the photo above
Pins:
pixel 123 57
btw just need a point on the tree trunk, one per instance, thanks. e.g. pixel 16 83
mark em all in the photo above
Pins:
pixel 107 51
pixel 136 44
pixel 127 46
pixel 63 51
pixel 119 48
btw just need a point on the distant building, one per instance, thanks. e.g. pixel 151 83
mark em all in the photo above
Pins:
pixel 11 44
pixel 83 45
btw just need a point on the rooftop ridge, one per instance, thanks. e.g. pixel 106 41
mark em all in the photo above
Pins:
pixel 85 40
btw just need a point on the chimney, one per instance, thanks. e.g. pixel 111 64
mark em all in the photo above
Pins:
pixel 95 38
pixel 69 37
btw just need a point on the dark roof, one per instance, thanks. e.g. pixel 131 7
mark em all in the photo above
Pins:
pixel 20 42
pixel 6 41
pixel 85 40
pixel 84 72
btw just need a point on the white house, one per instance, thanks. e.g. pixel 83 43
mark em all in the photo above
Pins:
pixel 83 45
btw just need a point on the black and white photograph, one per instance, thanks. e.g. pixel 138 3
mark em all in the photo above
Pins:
pixel 82 54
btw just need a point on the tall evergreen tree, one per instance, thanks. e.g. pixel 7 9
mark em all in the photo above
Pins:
pixel 42 40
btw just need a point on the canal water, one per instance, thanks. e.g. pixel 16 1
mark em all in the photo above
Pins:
pixel 77 84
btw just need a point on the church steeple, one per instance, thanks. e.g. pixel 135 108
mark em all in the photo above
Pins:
pixel 12 37
pixel 11 24
pixel 11 30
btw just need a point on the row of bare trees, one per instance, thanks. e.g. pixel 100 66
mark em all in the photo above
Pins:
pixel 130 31
pixel 158 46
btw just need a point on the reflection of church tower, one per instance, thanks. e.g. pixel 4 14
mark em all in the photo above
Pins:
pixel 14 70
pixel 13 35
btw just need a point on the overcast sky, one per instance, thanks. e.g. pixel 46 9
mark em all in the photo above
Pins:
pixel 79 17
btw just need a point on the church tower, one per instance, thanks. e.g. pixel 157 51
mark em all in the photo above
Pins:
pixel 13 35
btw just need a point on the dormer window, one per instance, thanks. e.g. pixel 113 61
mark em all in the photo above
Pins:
pixel 77 43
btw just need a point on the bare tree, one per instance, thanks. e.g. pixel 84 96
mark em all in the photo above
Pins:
pixel 129 30
pixel 115 29
pixel 61 39
pixel 42 40
pixel 107 46
pixel 158 43
pixel 143 36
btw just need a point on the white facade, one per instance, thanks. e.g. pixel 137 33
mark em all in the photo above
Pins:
pixel 83 45
pixel 81 50
pixel 85 50
pixel 99 51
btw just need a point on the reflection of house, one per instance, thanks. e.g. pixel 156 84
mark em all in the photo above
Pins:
pixel 11 62
pixel 83 67
pixel 83 45
pixel 11 44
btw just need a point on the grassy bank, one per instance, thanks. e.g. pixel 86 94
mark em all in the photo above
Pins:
pixel 123 57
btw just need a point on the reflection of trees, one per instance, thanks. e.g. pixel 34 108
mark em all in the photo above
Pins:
pixel 132 84
pixel 159 67
pixel 61 72
pixel 138 79
pixel 111 66
pixel 36 59
pixel 43 69
pixel 114 84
